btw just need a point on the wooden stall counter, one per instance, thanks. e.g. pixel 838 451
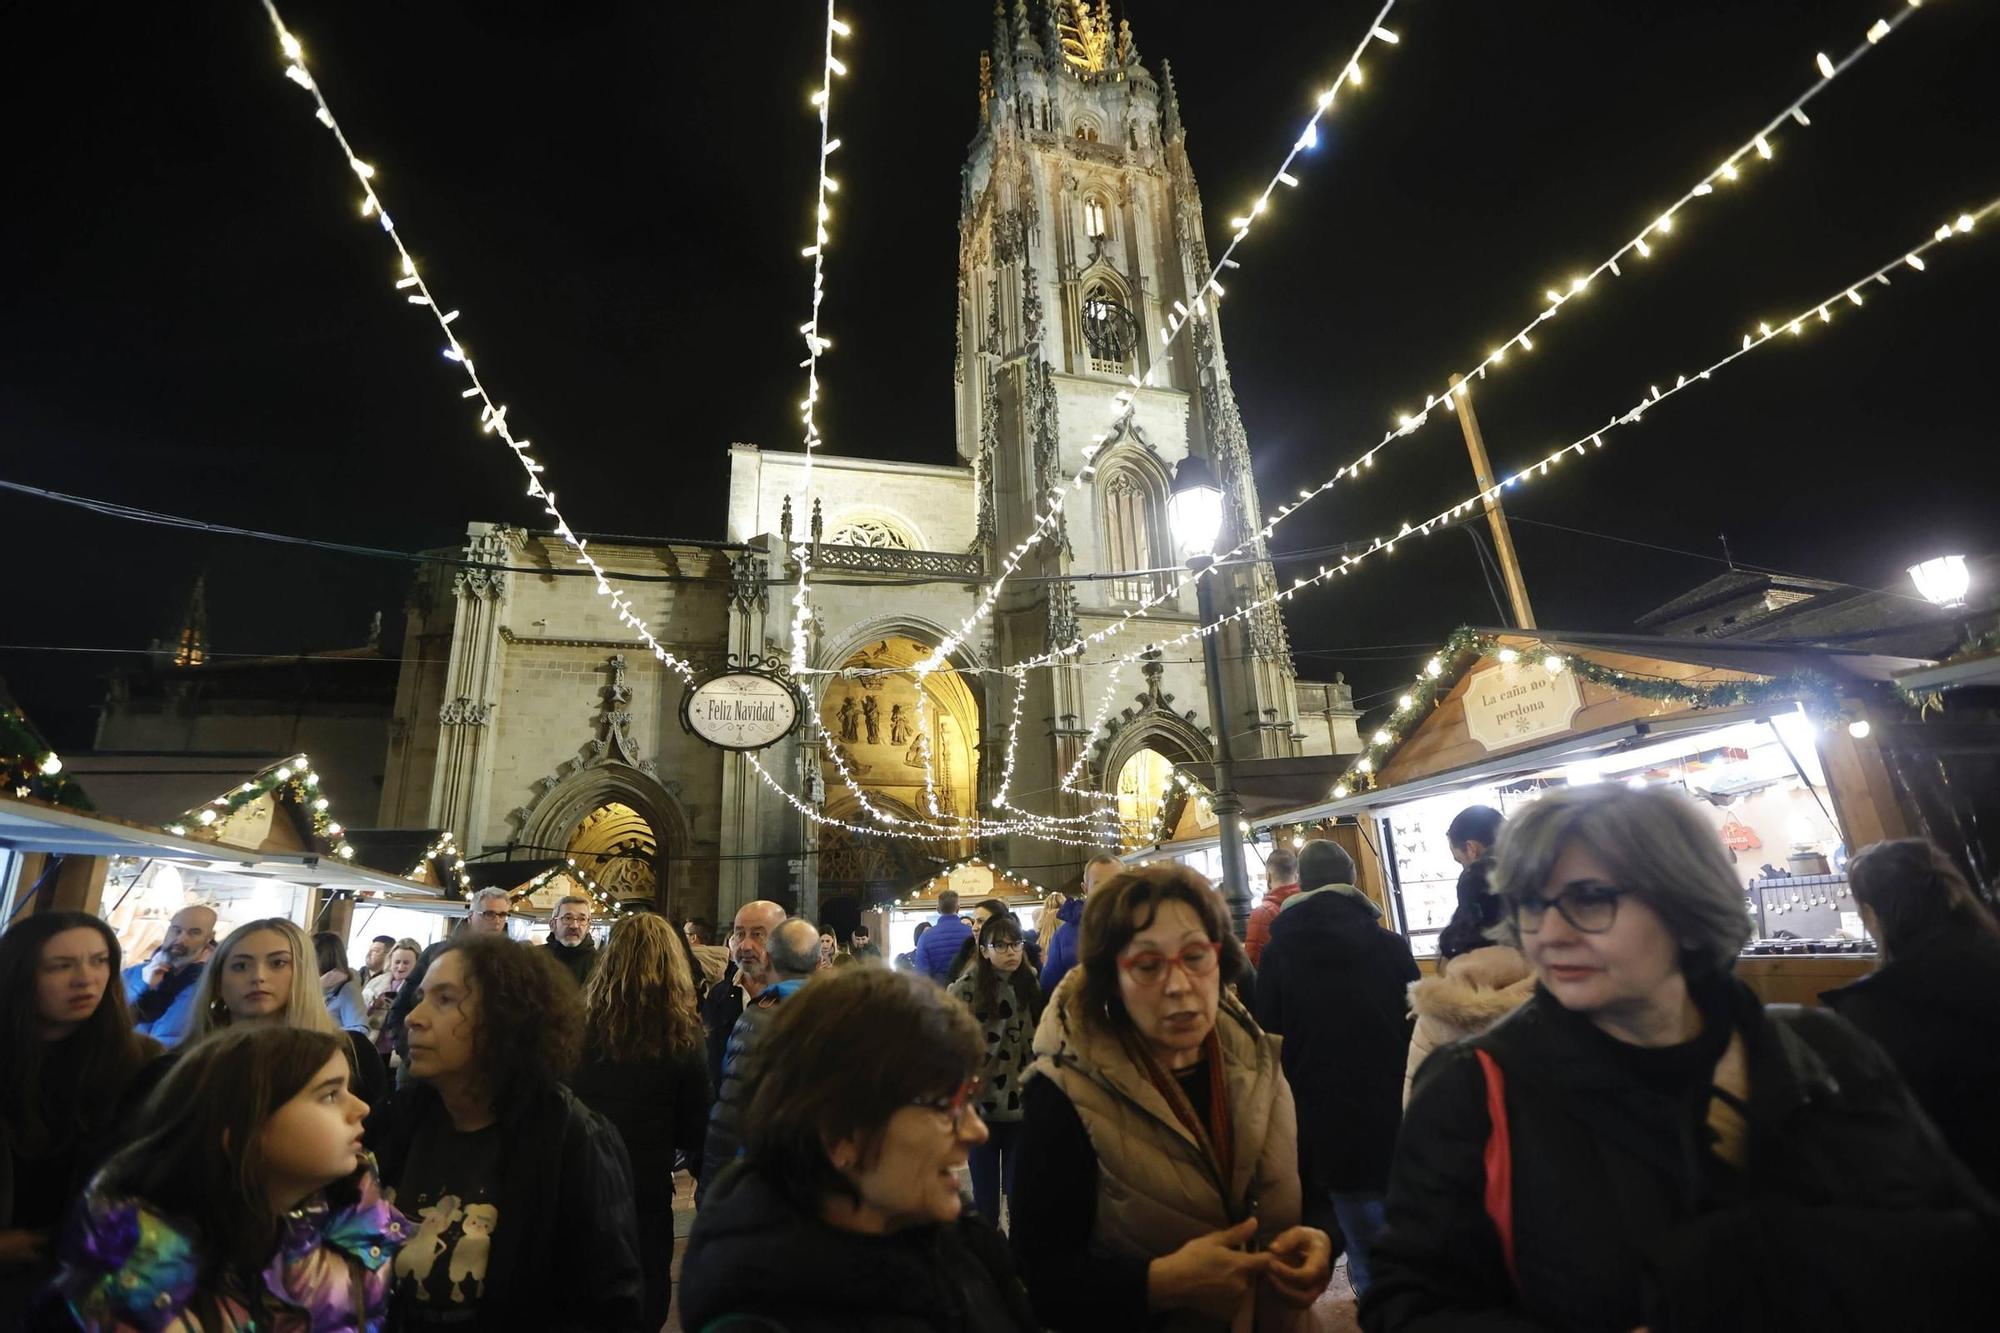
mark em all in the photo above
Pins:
pixel 1799 978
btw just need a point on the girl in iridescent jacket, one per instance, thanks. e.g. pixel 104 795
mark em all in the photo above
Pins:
pixel 246 1202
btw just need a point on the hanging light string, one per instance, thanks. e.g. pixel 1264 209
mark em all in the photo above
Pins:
pixel 816 342
pixel 1756 148
pixel 1766 331
pixel 492 414
pixel 1182 316
pixel 295 776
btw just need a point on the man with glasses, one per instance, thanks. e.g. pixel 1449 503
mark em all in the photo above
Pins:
pixel 1333 983
pixel 569 941
pixel 790 956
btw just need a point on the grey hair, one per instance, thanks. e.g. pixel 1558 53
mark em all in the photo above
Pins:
pixel 565 901
pixel 794 947
pixel 472 903
pixel 1654 842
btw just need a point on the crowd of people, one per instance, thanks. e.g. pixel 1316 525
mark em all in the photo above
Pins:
pixel 1579 1120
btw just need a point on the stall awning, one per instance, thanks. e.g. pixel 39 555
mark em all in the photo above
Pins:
pixel 1567 749
pixel 1956 673
pixel 1272 786
pixel 31 826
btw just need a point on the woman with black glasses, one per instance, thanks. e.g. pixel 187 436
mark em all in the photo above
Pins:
pixel 1644 1144
pixel 844 1211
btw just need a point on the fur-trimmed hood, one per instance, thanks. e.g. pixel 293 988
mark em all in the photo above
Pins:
pixel 1474 989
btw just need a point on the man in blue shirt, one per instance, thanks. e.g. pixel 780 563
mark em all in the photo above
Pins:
pixel 938 950
pixel 161 990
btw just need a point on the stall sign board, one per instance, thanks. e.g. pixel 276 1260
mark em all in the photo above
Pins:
pixel 971 883
pixel 741 710
pixel 1513 702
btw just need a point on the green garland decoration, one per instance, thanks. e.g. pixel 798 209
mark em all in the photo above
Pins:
pixel 30 769
pixel 1819 694
pixel 294 776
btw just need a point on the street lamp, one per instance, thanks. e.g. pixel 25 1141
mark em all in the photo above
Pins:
pixel 1943 581
pixel 1194 511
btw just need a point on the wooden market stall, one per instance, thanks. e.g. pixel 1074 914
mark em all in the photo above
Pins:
pixel 1774 743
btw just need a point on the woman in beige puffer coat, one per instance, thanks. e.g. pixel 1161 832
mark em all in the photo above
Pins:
pixel 1469 994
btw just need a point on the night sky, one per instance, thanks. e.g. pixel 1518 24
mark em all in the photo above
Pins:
pixel 194 318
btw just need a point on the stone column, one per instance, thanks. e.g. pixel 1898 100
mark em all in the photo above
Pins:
pixel 463 776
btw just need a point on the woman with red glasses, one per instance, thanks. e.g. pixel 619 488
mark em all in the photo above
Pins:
pixel 1159 1180
pixel 844 1211
pixel 1644 1144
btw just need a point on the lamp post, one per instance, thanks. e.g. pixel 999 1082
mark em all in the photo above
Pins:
pixel 1944 582
pixel 1194 511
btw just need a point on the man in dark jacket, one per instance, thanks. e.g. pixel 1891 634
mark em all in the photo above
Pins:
pixel 938 950
pixel 794 957
pixel 569 941
pixel 747 975
pixel 1333 982
pixel 1059 949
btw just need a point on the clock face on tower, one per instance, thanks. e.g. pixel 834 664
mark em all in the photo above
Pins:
pixel 1108 328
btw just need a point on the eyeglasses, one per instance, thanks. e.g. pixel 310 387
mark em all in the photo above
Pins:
pixel 1008 946
pixel 1591 908
pixel 492 916
pixel 1150 968
pixel 955 1107
pixel 573 919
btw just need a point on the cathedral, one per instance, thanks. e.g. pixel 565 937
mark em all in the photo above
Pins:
pixel 531 724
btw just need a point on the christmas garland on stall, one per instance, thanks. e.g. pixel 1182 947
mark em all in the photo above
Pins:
pixel 29 768
pixel 294 777
pixel 1817 693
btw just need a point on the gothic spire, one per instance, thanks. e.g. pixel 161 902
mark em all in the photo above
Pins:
pixel 1024 42
pixel 1170 103
pixel 190 647
pixel 1128 48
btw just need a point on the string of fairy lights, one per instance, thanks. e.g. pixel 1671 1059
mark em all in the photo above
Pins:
pixel 1754 148
pixel 493 419
pixel 1847 297
pixel 493 414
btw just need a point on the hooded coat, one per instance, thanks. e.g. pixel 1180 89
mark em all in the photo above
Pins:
pixel 1333 984
pixel 1469 994
pixel 1156 1187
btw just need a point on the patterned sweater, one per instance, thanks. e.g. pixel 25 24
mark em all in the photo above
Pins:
pixel 1009 1029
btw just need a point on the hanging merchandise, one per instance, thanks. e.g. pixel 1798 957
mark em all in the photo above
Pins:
pixel 1738 836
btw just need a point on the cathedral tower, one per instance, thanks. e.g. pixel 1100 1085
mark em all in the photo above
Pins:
pixel 1080 235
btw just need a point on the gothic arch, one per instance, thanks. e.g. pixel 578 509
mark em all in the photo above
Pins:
pixel 876 525
pixel 548 824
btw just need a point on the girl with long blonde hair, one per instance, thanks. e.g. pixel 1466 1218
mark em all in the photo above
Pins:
pixel 643 1071
pixel 266 974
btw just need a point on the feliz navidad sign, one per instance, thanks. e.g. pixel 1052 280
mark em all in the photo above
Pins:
pixel 741 709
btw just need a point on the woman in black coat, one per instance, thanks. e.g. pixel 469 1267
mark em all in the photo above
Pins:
pixel 1934 1003
pixel 643 1071
pixel 844 1214
pixel 520 1194
pixel 1644 1144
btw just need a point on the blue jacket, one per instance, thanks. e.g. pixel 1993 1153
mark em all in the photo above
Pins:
pixel 939 947
pixel 168 1025
pixel 1059 954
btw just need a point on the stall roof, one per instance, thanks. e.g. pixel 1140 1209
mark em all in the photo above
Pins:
pixel 1954 673
pixel 1762 659
pixel 1268 786
pixel 32 826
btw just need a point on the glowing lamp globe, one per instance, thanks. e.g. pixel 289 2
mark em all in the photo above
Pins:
pixel 1943 581
pixel 1194 509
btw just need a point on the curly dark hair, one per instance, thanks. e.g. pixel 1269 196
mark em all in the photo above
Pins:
pixel 542 1036
pixel 1126 904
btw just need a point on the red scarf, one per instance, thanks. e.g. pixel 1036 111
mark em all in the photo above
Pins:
pixel 1216 1135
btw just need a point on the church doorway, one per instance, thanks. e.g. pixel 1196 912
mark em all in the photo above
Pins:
pixel 616 846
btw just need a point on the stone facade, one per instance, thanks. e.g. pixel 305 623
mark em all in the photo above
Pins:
pixel 1080 233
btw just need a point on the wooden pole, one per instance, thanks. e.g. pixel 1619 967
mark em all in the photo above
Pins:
pixel 1503 540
